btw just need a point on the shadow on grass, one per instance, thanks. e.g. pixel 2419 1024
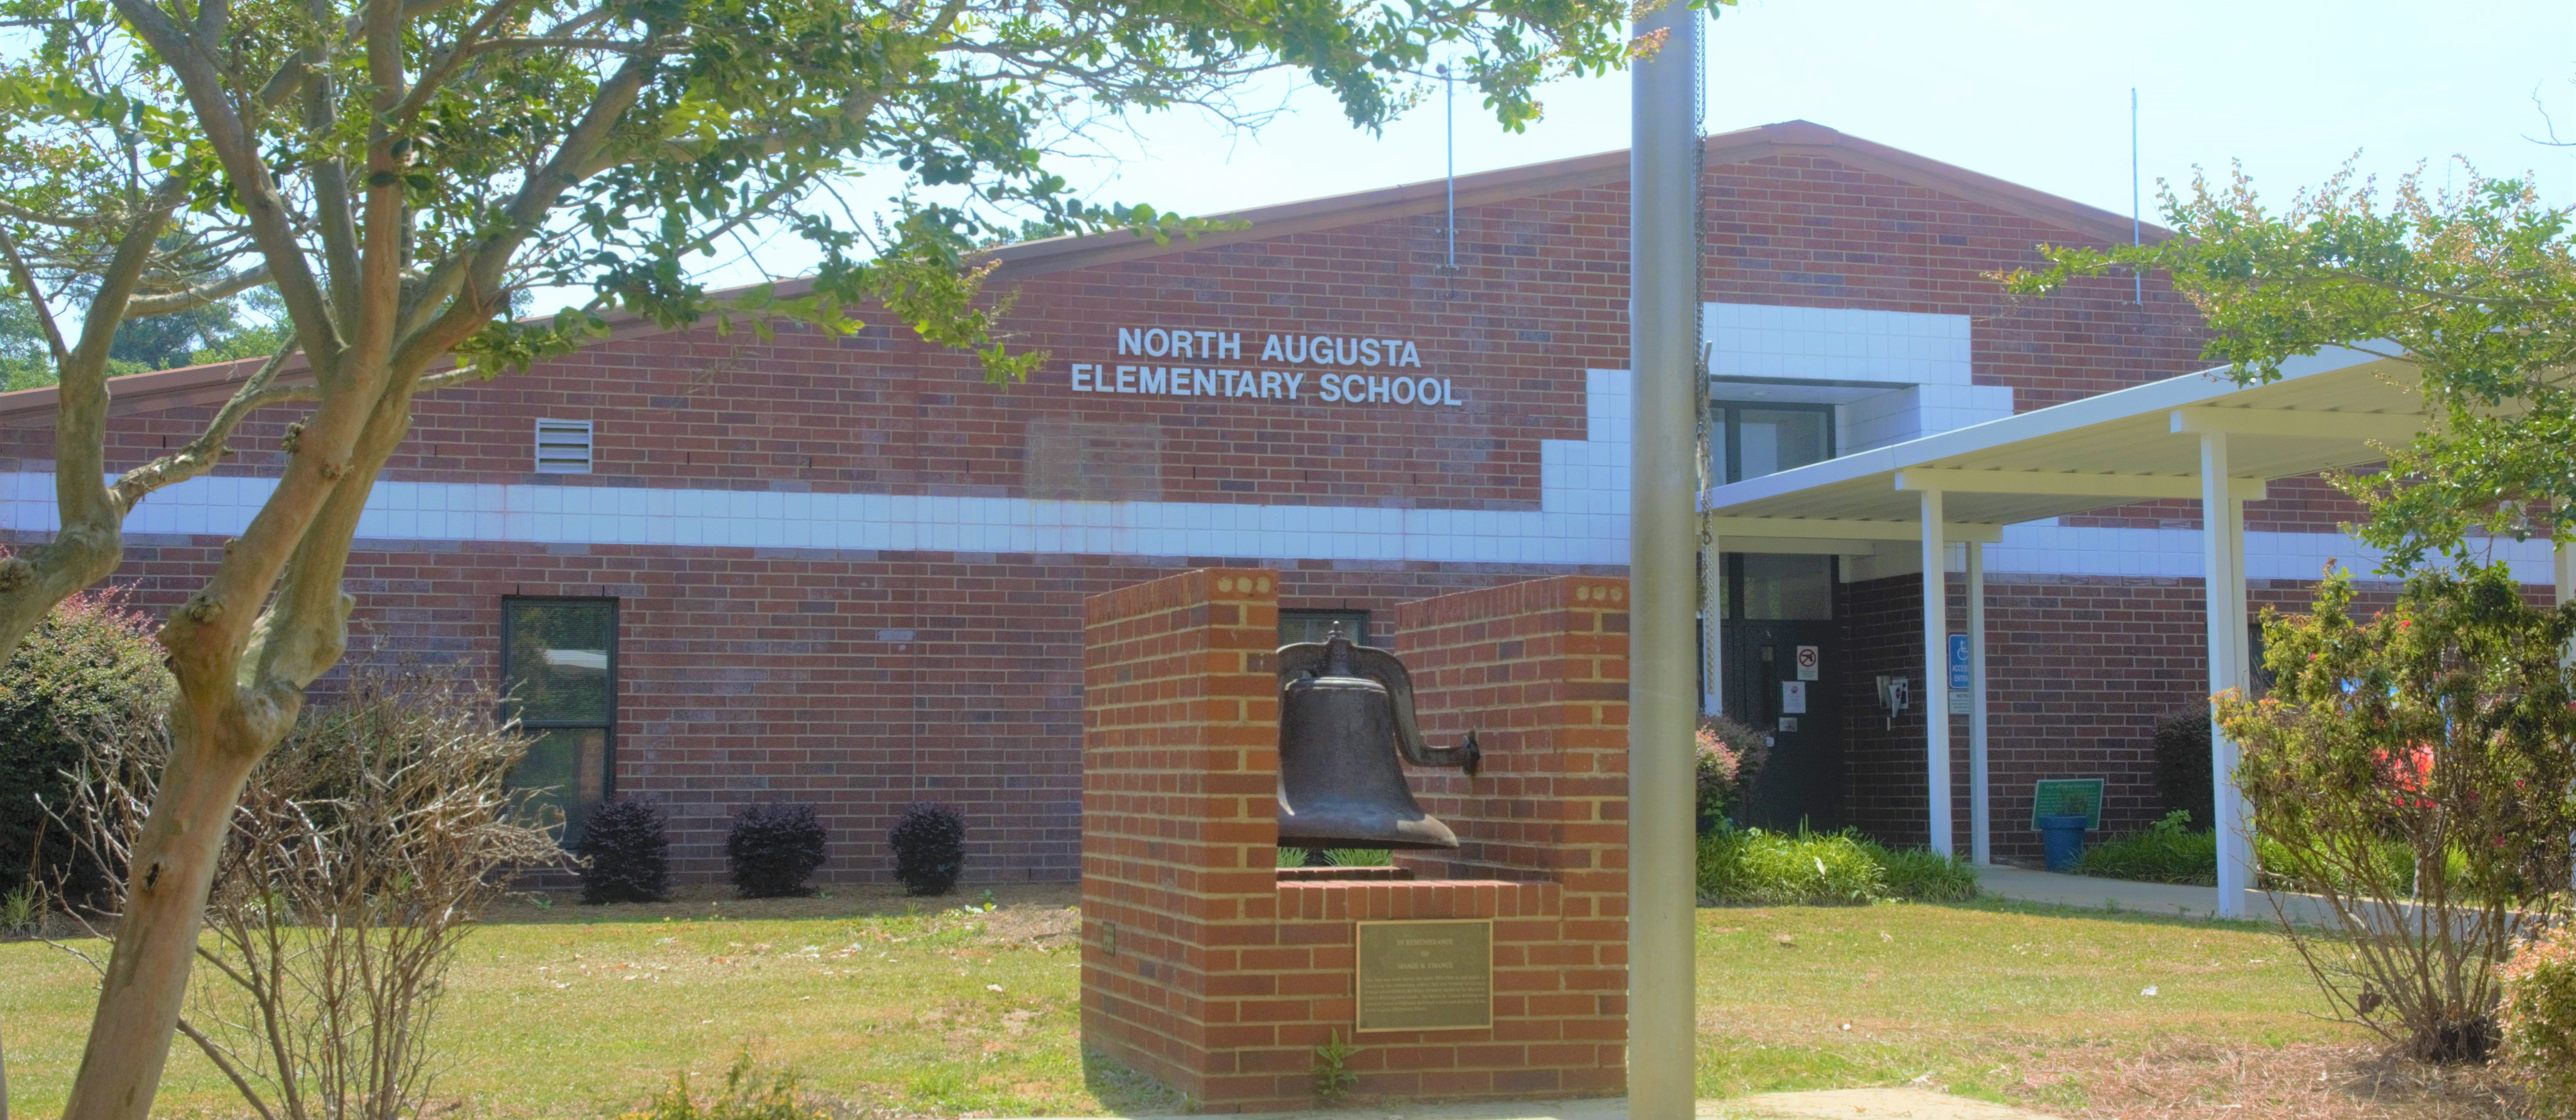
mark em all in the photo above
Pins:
pixel 710 902
pixel 1123 1091
pixel 1995 904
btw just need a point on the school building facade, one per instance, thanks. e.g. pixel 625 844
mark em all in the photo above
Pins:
pixel 846 571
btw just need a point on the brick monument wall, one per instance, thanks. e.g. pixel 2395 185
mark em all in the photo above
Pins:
pixel 1179 784
pixel 1204 969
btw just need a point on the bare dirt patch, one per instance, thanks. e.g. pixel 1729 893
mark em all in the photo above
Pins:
pixel 2301 1081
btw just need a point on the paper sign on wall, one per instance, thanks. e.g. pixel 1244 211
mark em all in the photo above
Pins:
pixel 1793 698
pixel 1810 659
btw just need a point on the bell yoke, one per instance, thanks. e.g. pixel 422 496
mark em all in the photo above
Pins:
pixel 1340 707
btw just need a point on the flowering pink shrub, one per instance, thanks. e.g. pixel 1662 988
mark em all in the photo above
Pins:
pixel 1730 754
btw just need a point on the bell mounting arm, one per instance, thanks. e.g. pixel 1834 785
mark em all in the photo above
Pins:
pixel 1390 672
pixel 1336 656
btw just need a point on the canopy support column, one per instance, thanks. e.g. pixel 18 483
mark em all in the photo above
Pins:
pixel 2563 570
pixel 2222 520
pixel 1936 660
pixel 1981 825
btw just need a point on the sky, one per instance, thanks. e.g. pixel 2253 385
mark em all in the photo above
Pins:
pixel 2031 92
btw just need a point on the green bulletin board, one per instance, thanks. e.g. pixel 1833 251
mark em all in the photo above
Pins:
pixel 2066 797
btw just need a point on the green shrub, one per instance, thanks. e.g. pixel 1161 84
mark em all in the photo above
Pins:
pixel 2182 767
pixel 2168 851
pixel 1923 875
pixel 91 662
pixel 2538 1022
pixel 2439 724
pixel 1752 866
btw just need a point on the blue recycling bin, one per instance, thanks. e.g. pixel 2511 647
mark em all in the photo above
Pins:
pixel 2063 839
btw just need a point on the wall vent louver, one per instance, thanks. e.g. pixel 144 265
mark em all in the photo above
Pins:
pixel 563 447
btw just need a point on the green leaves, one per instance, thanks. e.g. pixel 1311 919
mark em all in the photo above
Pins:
pixel 2441 724
pixel 2476 288
pixel 550 144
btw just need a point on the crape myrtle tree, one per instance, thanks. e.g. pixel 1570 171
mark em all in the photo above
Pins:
pixel 2441 724
pixel 398 172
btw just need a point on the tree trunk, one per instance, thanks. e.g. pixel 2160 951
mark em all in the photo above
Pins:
pixel 156 938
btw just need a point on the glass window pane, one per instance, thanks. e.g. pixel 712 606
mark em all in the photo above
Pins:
pixel 556 668
pixel 571 766
pixel 1776 440
pixel 1788 587
pixel 1315 626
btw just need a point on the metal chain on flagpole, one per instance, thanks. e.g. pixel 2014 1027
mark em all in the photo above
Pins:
pixel 1710 564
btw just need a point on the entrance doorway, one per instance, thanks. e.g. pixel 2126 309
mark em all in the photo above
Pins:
pixel 1781 666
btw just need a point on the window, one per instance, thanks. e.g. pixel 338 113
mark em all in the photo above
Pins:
pixel 563 447
pixel 1315 626
pixel 1784 587
pixel 1752 440
pixel 559 675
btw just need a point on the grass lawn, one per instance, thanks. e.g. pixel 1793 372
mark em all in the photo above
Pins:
pixel 2078 1012
pixel 576 1012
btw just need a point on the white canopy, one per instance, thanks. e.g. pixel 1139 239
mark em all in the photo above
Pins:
pixel 2198 436
pixel 2099 452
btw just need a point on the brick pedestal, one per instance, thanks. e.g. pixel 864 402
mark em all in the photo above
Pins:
pixel 1204 970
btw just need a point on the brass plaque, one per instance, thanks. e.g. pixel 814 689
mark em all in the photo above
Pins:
pixel 1429 975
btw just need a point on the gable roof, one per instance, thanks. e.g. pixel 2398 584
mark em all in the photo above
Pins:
pixel 209 384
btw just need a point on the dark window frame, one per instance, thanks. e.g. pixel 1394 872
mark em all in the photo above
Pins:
pixel 1726 415
pixel 1733 574
pixel 607 729
pixel 1363 638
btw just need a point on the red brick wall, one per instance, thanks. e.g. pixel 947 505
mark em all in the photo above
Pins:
pixel 1205 972
pixel 2080 671
pixel 1538 299
pixel 1179 782
pixel 757 674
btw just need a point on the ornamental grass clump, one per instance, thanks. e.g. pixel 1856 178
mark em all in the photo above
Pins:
pixel 625 852
pixel 774 849
pixel 1758 868
pixel 929 843
pixel 2168 851
pixel 1923 875
pixel 2441 724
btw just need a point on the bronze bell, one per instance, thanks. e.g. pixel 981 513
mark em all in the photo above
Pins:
pixel 1345 715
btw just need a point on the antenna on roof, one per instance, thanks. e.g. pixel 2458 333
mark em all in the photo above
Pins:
pixel 2137 279
pixel 1449 87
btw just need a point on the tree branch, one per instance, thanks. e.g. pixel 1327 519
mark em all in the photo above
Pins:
pixel 26 281
pixel 223 1061
pixel 239 153
pixel 207 451
pixel 172 303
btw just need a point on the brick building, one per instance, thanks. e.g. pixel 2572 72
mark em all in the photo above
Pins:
pixel 844 570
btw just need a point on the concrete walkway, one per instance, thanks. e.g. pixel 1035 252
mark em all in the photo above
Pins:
pixel 2165 899
pixel 1833 1104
